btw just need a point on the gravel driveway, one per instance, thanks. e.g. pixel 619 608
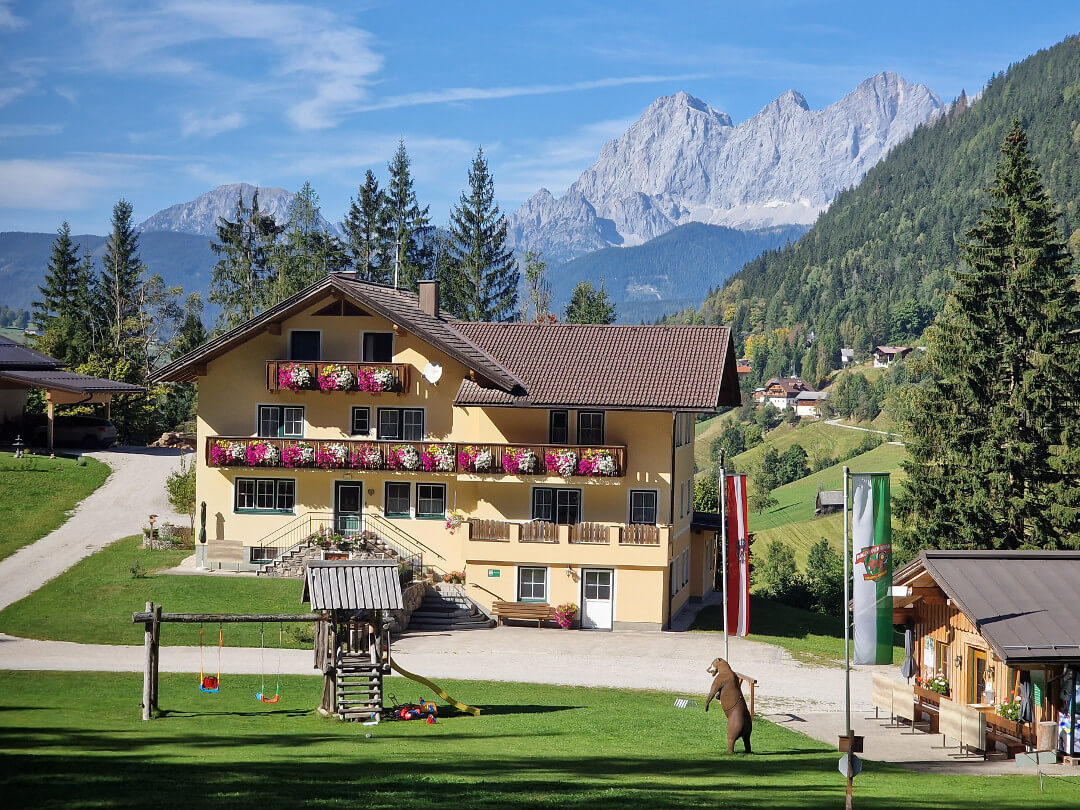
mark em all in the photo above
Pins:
pixel 118 508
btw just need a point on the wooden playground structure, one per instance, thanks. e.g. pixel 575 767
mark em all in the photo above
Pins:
pixel 350 600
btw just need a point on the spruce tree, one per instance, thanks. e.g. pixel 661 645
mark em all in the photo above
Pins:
pixel 121 277
pixel 411 236
pixel 590 305
pixel 242 275
pixel 367 232
pixel 484 284
pixel 57 311
pixel 305 252
pixel 992 435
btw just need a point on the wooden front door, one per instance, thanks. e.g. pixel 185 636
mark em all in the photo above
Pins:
pixel 976 674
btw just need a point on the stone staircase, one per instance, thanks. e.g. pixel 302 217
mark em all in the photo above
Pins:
pixel 291 563
pixel 448 611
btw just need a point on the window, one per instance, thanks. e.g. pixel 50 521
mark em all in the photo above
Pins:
pixel 673 582
pixel 431 501
pixel 265 495
pixel 597 585
pixel 532 584
pixel 689 496
pixel 305 344
pixel 643 506
pixel 942 660
pixel 590 427
pixel 559 427
pixel 378 347
pixel 685 568
pixel 556 505
pixel 398 499
pixel 404 424
pixel 281 420
pixel 360 423
pixel 682 499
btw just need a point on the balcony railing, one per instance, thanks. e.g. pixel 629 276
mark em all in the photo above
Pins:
pixel 328 375
pixel 539 531
pixel 607 461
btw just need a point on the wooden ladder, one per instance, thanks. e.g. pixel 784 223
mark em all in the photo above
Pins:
pixel 359 688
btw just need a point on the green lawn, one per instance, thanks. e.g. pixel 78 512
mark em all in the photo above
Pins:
pixel 74 740
pixel 36 494
pixel 808 636
pixel 816 437
pixel 106 595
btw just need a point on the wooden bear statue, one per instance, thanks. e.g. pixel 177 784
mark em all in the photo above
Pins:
pixel 725 686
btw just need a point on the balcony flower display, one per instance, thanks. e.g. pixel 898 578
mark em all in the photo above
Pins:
pixel 596 462
pixel 520 460
pixel 366 457
pixel 454 519
pixel 332 455
pixel 476 459
pixel 375 379
pixel 403 457
pixel 301 454
pixel 564 462
pixel 935 683
pixel 336 377
pixel 224 454
pixel 437 457
pixel 262 454
pixel 294 376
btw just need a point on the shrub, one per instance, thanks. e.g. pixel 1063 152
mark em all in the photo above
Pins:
pixel 775 575
pixel 825 578
pixel 706 494
pixel 180 486
pixel 137 570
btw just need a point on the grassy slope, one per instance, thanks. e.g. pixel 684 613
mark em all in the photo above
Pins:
pixel 705 432
pixel 816 437
pixel 73 739
pixel 36 494
pixel 107 594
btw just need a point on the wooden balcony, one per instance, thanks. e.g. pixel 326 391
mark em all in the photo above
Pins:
pixel 639 534
pixel 593 534
pixel 362 376
pixel 397 456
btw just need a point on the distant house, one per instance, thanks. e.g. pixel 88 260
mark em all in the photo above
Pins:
pixel 742 366
pixel 782 391
pixel 828 501
pixel 884 356
pixel 847 356
pixel 806 403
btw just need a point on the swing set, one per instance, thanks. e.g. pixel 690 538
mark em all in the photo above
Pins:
pixel 212 683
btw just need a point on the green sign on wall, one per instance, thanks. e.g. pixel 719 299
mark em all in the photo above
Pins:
pixel 494 572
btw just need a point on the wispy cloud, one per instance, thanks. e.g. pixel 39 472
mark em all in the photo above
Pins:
pixel 51 185
pixel 8 18
pixel 207 126
pixel 20 77
pixel 459 94
pixel 29 130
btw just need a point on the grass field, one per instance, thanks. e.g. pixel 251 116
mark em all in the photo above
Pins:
pixel 36 494
pixel 74 740
pixel 107 594
pixel 808 636
pixel 816 437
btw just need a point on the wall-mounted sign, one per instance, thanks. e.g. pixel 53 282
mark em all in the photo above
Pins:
pixel 494 572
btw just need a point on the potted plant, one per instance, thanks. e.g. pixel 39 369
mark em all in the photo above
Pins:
pixel 520 460
pixel 403 457
pixel 454 519
pixel 294 377
pixel 475 459
pixel 375 380
pixel 262 454
pixel 300 454
pixel 336 377
pixel 332 455
pixel 565 615
pixel 596 462
pixel 366 457
pixel 563 462
pixel 437 457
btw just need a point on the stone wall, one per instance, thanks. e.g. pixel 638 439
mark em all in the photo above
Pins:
pixel 411 598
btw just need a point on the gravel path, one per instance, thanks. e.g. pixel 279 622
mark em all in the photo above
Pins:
pixel 673 662
pixel 118 508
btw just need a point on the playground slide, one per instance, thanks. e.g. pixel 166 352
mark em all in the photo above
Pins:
pixel 475 712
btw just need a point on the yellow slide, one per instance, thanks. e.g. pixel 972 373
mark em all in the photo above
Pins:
pixel 438 691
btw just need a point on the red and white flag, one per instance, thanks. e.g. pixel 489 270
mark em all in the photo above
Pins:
pixel 738 556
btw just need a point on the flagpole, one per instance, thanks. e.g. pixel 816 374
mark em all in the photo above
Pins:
pixel 722 496
pixel 847 622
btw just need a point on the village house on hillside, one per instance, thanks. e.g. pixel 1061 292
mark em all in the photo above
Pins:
pixel 551 463
pixel 884 356
pixel 781 392
pixel 806 403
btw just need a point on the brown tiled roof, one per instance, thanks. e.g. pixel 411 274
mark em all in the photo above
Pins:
pixel 399 306
pixel 583 365
pixel 15 355
pixel 789 385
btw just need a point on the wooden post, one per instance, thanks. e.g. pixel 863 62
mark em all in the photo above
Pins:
pixel 50 418
pixel 156 657
pixel 148 669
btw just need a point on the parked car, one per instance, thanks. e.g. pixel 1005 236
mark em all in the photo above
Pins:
pixel 90 432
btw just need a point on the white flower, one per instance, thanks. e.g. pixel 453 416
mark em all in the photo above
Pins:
pixel 482 461
pixel 384 377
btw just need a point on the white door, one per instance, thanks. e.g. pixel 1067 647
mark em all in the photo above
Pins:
pixel 597 586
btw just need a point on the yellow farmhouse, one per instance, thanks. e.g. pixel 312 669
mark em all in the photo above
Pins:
pixel 548 462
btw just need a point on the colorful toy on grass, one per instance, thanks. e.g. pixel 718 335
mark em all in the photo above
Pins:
pixel 414 711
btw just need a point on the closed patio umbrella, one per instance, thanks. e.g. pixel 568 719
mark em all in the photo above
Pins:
pixel 908 668
pixel 1027 710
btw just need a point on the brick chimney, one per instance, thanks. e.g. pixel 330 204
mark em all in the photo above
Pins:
pixel 429 297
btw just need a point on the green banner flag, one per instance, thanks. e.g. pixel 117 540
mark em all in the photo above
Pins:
pixel 871 541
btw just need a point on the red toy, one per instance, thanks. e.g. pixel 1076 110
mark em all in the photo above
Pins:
pixel 413 711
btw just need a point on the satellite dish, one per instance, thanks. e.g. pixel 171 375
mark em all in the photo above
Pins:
pixel 433 372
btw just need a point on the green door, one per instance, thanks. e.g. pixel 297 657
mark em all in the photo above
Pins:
pixel 348 506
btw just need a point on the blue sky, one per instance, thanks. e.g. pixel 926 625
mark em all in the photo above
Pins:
pixel 160 100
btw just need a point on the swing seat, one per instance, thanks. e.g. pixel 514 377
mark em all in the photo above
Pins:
pixel 261 697
pixel 210 684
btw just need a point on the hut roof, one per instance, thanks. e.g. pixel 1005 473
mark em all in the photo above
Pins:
pixel 352 585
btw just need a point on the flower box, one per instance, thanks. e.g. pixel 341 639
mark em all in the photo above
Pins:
pixel 474 459
pixel 300 454
pixel 520 460
pixel 437 457
pixel 332 456
pixel 561 462
pixel 597 463
pixel 403 457
pixel 336 377
pixel 295 377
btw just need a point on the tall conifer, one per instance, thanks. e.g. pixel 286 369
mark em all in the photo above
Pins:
pixel 241 276
pixel 56 313
pixel 411 235
pixel 367 232
pixel 121 276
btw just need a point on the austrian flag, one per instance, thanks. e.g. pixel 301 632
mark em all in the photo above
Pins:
pixel 738 556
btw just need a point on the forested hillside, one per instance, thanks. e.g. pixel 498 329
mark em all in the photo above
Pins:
pixel 875 266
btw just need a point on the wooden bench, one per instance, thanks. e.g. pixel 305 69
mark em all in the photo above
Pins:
pixel 538 612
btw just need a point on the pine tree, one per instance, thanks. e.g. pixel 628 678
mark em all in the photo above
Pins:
pixel 305 252
pixel 56 313
pixel 179 403
pixel 367 232
pixel 484 284
pixel 412 238
pixel 537 303
pixel 989 434
pixel 121 277
pixel 590 305
pixel 241 279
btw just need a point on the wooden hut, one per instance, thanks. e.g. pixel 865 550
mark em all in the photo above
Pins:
pixel 994 624
pixel 352 649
